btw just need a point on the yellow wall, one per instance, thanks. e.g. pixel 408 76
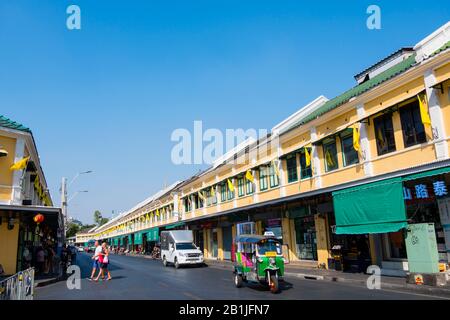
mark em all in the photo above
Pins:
pixel 6 175
pixel 9 241
pixel 394 96
pixel 323 245
pixel 445 105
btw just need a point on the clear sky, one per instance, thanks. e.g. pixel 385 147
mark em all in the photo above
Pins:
pixel 107 97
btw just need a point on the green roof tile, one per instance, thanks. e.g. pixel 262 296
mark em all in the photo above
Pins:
pixel 8 123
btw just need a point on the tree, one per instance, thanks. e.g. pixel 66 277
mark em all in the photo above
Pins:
pixel 72 229
pixel 98 218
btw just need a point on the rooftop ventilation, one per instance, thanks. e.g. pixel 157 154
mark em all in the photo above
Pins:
pixel 384 64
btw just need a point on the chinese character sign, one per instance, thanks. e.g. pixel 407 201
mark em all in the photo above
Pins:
pixel 421 191
pixel 440 189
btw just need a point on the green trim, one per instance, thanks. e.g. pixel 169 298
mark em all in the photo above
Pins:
pixel 178 224
pixel 426 174
pixel 10 124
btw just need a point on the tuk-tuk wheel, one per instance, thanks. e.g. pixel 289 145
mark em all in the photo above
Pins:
pixel 274 285
pixel 238 280
pixel 164 261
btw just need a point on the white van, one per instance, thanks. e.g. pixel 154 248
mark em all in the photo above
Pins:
pixel 178 248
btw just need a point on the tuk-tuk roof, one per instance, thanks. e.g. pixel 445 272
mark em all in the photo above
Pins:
pixel 252 238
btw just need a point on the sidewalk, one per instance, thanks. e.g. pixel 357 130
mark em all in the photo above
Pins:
pixel 311 273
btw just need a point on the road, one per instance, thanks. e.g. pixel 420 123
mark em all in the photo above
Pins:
pixel 139 278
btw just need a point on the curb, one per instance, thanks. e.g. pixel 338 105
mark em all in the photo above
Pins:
pixel 43 283
pixel 405 286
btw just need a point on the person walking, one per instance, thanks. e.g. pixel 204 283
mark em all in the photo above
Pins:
pixel 104 263
pixel 96 264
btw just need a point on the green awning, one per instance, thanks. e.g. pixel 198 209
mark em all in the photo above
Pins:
pixel 130 239
pixel 138 238
pixel 115 241
pixel 376 207
pixel 153 234
pixel 175 225
pixel 425 174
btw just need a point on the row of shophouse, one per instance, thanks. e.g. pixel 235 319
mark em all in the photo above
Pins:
pixel 345 175
pixel 28 220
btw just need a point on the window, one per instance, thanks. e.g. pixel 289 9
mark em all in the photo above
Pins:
pixel 223 192
pixel 384 134
pixel 350 155
pixel 213 196
pixel 241 191
pixel 207 194
pixel 248 187
pixel 263 178
pixel 291 168
pixel 198 201
pixel 305 171
pixel 187 204
pixel 210 198
pixel 412 126
pixel 229 192
pixel 273 177
pixel 330 155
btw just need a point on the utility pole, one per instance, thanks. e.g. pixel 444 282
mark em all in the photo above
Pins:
pixel 64 201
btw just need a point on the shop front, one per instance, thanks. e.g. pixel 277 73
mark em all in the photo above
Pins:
pixel 305 232
pixel 137 248
pixel 362 236
pixel 360 212
pixel 25 233
pixel 150 239
pixel 426 201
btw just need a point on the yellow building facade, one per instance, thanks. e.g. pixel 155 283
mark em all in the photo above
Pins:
pixel 395 123
pixel 23 194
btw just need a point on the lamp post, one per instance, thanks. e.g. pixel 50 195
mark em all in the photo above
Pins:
pixel 64 200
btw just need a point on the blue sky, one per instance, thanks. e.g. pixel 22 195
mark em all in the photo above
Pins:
pixel 107 97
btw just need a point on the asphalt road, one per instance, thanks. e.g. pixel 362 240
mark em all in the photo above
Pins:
pixel 139 278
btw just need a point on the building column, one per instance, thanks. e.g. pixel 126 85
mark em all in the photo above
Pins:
pixel 287 239
pixel 282 178
pixel 206 243
pixel 16 196
pixel 437 121
pixel 365 153
pixel 258 227
pixel 219 244
pixel 323 253
pixel 315 161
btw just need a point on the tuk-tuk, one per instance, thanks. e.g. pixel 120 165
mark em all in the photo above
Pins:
pixel 259 260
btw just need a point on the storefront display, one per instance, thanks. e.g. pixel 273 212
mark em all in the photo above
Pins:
pixel 426 201
pixel 305 235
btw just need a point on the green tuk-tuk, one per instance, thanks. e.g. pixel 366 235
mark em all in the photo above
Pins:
pixel 259 260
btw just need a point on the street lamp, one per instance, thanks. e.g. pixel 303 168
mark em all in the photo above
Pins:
pixel 75 194
pixel 64 187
